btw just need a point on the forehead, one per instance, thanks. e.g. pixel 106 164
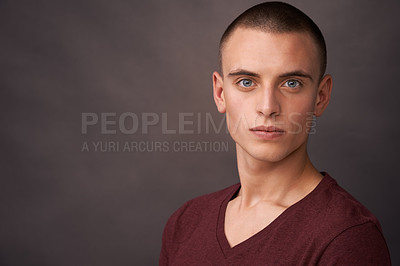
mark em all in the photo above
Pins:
pixel 270 53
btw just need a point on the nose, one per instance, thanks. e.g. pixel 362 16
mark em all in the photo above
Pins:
pixel 268 103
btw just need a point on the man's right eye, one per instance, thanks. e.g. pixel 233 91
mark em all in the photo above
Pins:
pixel 246 83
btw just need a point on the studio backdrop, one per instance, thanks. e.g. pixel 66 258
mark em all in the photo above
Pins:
pixel 108 123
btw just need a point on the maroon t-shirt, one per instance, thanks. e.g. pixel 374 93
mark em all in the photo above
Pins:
pixel 327 227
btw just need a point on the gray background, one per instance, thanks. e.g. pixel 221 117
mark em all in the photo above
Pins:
pixel 59 59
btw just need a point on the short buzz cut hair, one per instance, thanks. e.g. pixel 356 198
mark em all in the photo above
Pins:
pixel 277 17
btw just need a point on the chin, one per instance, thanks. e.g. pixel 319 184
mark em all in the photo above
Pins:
pixel 271 153
pixel 266 154
pixel 272 157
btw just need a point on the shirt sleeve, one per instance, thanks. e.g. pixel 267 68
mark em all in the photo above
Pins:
pixel 362 244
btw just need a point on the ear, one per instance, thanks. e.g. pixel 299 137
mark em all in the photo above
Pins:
pixel 218 88
pixel 323 95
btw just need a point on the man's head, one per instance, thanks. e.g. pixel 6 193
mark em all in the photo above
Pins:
pixel 277 17
pixel 272 81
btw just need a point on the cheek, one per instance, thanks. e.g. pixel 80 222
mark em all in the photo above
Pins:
pixel 299 123
pixel 301 104
pixel 236 110
pixel 300 114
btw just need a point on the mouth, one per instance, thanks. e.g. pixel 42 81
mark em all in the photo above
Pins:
pixel 267 133
pixel 267 129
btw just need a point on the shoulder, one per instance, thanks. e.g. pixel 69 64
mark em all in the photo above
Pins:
pixel 348 230
pixel 341 209
pixel 193 220
pixel 199 209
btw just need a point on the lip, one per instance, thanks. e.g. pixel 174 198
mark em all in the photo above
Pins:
pixel 267 132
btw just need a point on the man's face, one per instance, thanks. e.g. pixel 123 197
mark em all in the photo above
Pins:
pixel 270 90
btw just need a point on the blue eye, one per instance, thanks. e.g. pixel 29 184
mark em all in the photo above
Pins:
pixel 246 83
pixel 292 83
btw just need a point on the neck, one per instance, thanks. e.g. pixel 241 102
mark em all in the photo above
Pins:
pixel 282 183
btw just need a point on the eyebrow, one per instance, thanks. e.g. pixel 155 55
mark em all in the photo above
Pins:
pixel 297 73
pixel 242 72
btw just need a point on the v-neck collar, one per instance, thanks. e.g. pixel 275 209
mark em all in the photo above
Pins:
pixel 229 251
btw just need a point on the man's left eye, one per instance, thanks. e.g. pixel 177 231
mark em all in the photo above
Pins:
pixel 292 83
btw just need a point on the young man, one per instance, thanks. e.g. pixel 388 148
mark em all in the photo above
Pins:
pixel 284 211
